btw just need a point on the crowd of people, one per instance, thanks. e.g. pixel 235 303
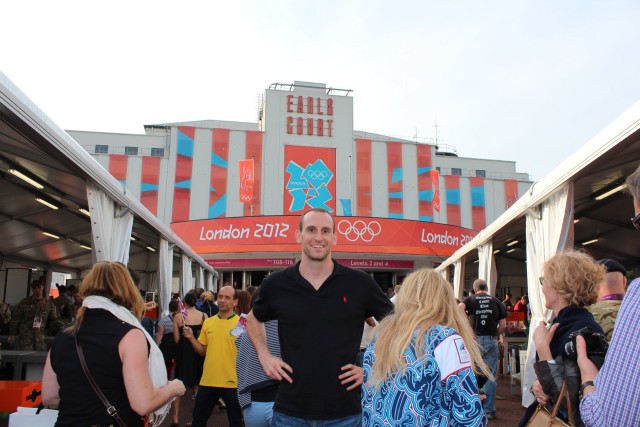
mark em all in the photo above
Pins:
pixel 292 352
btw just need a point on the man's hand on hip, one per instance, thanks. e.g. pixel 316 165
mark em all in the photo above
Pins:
pixel 276 368
pixel 352 374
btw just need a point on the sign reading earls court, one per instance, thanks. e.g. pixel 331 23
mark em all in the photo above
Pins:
pixel 354 234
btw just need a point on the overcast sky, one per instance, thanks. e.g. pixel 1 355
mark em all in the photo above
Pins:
pixel 528 81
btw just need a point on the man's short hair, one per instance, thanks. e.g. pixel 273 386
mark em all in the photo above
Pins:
pixel 300 223
pixel 480 285
pixel 509 294
pixel 36 283
pixel 633 184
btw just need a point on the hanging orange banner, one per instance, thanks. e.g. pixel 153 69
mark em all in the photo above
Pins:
pixel 246 181
pixel 435 184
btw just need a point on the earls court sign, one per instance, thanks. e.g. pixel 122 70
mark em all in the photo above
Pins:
pixel 354 234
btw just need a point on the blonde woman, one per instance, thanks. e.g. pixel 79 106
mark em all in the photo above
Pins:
pixel 419 370
pixel 569 284
pixel 123 360
pixel 208 304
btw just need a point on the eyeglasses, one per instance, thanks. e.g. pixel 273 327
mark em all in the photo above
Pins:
pixel 541 281
pixel 636 221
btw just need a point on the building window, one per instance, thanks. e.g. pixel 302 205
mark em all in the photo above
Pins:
pixel 456 171
pixel 157 152
pixel 481 173
pixel 131 151
pixel 102 149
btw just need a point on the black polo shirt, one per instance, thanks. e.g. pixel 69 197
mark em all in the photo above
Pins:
pixel 320 331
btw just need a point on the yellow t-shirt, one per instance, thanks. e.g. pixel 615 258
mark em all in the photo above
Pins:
pixel 220 360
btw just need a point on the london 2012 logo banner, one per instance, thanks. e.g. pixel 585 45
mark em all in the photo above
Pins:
pixel 309 179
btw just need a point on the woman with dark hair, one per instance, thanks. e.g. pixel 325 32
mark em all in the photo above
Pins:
pixel 188 362
pixel 164 337
pixel 123 360
pixel 244 303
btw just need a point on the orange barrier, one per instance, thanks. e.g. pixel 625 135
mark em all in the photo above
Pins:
pixel 19 393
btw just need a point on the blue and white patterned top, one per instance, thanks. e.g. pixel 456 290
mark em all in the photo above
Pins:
pixel 438 389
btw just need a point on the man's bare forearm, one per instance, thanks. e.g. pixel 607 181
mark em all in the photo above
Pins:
pixel 502 325
pixel 257 334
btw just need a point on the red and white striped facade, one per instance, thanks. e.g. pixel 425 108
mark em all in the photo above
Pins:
pixel 400 200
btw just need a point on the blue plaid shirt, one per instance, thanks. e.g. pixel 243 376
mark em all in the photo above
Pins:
pixel 616 401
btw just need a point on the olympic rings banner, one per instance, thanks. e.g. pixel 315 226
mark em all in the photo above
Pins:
pixel 309 179
pixel 275 234
pixel 246 181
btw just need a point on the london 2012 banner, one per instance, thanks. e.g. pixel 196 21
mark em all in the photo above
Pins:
pixel 310 180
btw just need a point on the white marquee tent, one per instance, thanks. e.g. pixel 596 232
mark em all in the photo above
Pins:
pixel 581 203
pixel 61 211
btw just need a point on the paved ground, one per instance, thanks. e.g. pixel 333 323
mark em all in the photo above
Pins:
pixel 509 411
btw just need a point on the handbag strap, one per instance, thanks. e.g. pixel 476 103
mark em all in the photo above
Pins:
pixel 563 393
pixel 111 410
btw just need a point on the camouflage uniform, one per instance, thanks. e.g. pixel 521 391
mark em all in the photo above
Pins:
pixel 605 313
pixel 5 315
pixel 29 338
pixel 66 309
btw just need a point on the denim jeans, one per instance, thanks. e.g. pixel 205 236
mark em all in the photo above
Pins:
pixel 490 355
pixel 258 414
pixel 281 420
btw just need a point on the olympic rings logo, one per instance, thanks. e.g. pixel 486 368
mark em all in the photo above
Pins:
pixel 314 174
pixel 359 230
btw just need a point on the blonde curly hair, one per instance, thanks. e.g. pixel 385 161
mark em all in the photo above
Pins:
pixel 207 296
pixel 575 276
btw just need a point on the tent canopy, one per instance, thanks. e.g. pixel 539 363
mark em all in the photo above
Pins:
pixel 600 165
pixel 31 144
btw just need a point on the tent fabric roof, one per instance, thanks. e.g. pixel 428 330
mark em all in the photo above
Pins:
pixel 600 165
pixel 31 143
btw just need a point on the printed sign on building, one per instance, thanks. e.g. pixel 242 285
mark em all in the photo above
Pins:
pixel 309 179
pixel 246 181
pixel 367 235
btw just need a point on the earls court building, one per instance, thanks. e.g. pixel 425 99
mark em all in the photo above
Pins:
pixel 234 191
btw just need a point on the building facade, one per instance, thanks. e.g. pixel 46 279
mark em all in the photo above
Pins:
pixel 234 191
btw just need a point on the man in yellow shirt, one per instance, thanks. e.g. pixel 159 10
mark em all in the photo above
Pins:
pixel 217 344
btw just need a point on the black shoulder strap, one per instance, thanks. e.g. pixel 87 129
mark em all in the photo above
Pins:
pixel 111 410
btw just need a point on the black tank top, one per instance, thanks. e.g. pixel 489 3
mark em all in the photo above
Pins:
pixel 99 337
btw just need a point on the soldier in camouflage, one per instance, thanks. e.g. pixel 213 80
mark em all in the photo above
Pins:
pixel 34 317
pixel 610 294
pixel 66 309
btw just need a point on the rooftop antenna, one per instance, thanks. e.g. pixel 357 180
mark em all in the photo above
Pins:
pixel 435 125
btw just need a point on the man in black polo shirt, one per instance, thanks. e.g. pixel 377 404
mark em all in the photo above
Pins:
pixel 321 307
pixel 487 315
